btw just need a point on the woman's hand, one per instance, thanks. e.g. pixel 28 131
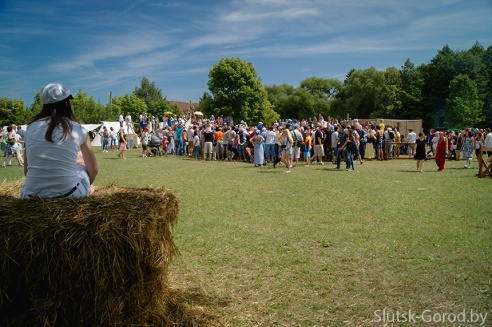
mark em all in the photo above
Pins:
pixel 89 157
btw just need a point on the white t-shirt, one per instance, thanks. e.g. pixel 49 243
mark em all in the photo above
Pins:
pixel 334 139
pixel 196 140
pixel 488 140
pixel 145 138
pixel 190 133
pixel 17 145
pixel 52 170
pixel 270 137
pixel 411 137
pixel 435 140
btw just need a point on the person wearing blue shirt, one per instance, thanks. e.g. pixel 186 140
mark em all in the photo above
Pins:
pixel 178 139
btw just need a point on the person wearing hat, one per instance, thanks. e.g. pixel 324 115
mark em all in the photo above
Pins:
pixel 259 152
pixel 53 165
pixel 390 138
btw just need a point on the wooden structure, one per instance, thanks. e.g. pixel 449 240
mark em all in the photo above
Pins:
pixel 400 124
pixel 484 164
pixel 395 153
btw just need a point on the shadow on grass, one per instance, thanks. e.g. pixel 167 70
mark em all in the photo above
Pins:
pixel 191 307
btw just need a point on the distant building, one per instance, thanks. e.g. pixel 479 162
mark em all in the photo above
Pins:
pixel 184 107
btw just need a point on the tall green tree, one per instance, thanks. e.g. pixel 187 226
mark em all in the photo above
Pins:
pixel 411 92
pixel 390 103
pixel 303 104
pixel 156 103
pixel 236 91
pixel 361 96
pixel 87 110
pixel 130 103
pixel 280 98
pixel 12 112
pixel 328 87
pixel 324 91
pixel 438 74
pixel 206 105
pixel 464 104
pixel 36 106
pixel 487 107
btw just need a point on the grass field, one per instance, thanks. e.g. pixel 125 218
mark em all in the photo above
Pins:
pixel 320 246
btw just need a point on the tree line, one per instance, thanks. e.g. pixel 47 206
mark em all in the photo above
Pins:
pixel 145 98
pixel 453 89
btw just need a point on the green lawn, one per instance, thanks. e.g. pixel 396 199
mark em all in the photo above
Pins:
pixel 320 246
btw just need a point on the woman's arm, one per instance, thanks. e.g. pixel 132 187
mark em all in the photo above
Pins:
pixel 89 159
pixel 291 140
pixel 344 145
pixel 25 162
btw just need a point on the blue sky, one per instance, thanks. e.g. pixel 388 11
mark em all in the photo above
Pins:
pixel 102 46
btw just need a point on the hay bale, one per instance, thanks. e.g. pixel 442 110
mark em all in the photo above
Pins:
pixel 98 261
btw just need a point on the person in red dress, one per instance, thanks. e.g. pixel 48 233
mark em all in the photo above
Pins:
pixel 441 150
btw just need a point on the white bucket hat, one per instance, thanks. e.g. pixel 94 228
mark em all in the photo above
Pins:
pixel 55 92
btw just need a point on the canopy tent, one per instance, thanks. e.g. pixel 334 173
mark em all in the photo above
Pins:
pixel 116 127
pixel 23 127
pixel 91 127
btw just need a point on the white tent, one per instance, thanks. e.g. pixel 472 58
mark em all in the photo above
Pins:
pixel 116 127
pixel 91 127
pixel 24 127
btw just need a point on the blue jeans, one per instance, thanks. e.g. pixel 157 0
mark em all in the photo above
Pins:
pixel 362 150
pixel 196 152
pixel 270 151
pixel 105 144
pixel 178 147
pixel 339 157
pixel 349 160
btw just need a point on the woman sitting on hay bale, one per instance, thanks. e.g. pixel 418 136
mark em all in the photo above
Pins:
pixel 53 165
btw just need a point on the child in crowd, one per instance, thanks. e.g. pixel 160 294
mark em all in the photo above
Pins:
pixel 307 148
pixel 165 145
pixel 196 146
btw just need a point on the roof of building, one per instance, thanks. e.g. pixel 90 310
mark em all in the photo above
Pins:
pixel 184 107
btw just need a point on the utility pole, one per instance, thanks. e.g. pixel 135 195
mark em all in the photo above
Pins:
pixel 111 102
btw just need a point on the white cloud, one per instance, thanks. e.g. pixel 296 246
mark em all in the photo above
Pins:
pixel 101 45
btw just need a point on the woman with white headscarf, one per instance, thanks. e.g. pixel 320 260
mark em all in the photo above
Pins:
pixel 259 153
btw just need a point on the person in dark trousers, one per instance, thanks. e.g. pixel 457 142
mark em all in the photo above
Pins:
pixel 342 137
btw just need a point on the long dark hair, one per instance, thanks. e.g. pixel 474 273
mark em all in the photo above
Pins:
pixel 350 135
pixel 61 113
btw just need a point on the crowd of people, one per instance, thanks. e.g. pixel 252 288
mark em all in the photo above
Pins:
pixel 309 141
pixel 59 161
pixel 11 142
pixel 286 142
